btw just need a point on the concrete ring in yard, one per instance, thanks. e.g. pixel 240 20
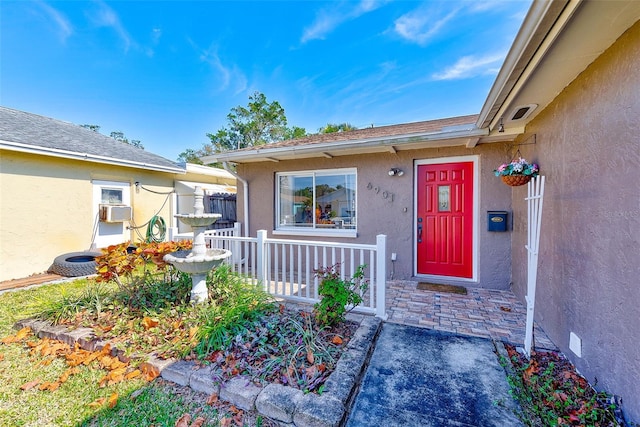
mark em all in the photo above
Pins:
pixel 74 264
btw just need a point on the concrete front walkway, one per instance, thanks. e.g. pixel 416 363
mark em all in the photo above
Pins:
pixel 434 363
pixel 484 313
pixel 421 377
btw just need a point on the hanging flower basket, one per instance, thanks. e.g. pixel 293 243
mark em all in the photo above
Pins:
pixel 518 172
pixel 515 180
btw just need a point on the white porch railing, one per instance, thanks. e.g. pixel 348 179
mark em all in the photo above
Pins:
pixel 285 268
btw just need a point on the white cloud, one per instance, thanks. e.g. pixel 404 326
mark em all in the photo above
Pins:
pixel 420 25
pixel 230 76
pixel 64 27
pixel 106 17
pixel 471 66
pixel 329 19
pixel 156 34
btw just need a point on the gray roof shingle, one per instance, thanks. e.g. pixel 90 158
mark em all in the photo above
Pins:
pixel 26 131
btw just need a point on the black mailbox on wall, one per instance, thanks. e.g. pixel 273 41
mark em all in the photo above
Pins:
pixel 497 220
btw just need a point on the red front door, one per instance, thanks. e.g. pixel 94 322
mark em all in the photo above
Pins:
pixel 444 227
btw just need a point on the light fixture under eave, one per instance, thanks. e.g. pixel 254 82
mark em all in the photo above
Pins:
pixel 396 172
pixel 501 126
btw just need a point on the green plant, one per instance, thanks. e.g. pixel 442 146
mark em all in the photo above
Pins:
pixel 285 347
pixel 235 302
pixel 145 280
pixel 94 299
pixel 517 166
pixel 552 393
pixel 337 293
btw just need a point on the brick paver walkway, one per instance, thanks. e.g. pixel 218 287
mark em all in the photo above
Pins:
pixel 485 313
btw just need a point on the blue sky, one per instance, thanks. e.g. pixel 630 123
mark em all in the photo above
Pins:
pixel 168 72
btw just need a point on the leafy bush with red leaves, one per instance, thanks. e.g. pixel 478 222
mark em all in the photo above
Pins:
pixel 134 267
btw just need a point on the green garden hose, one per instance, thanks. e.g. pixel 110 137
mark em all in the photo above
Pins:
pixel 157 230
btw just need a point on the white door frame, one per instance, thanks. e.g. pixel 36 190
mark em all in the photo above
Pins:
pixel 475 159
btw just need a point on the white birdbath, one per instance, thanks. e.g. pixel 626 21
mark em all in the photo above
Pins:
pixel 199 260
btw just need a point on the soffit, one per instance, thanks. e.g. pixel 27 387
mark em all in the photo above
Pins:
pixel 581 32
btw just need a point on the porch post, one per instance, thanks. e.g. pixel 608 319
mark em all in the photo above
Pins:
pixel 381 276
pixel 261 262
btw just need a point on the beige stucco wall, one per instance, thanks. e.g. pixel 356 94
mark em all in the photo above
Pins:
pixel 588 146
pixel 394 218
pixel 46 206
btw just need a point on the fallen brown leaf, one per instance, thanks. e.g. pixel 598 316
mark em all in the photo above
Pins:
pixel 133 374
pixel 212 399
pixel 45 385
pixel 29 385
pixel 183 421
pixel 149 323
pixel 98 402
pixel 113 400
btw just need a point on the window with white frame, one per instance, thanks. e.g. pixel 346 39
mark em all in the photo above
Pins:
pixel 316 200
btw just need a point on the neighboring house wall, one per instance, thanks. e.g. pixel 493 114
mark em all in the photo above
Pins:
pixel 47 206
pixel 588 147
pixel 380 215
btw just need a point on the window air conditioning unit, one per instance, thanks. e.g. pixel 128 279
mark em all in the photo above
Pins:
pixel 115 213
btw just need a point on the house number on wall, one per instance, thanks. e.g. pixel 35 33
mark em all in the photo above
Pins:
pixel 385 194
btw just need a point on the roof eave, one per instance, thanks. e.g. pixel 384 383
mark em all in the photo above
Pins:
pixel 541 17
pixel 54 152
pixel 330 149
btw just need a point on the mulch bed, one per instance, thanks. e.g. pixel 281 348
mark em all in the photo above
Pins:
pixel 552 393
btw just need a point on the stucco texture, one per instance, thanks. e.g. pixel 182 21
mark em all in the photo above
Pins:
pixel 385 204
pixel 588 147
pixel 47 207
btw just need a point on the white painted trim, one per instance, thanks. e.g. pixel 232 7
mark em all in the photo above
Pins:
pixel 110 238
pixel 313 231
pixel 66 154
pixel 392 141
pixel 475 159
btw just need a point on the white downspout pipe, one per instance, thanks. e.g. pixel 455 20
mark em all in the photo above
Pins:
pixel 245 194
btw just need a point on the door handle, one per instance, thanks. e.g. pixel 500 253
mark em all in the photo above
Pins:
pixel 419 233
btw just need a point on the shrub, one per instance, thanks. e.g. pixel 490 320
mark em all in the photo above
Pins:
pixel 338 293
pixel 234 305
pixel 144 279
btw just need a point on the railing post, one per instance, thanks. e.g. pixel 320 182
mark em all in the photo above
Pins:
pixel 381 276
pixel 261 261
pixel 237 255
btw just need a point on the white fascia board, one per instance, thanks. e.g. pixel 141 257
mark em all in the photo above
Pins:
pixel 65 154
pixel 396 141
pixel 535 16
pixel 206 170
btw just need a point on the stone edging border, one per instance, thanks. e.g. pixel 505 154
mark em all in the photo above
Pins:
pixel 286 405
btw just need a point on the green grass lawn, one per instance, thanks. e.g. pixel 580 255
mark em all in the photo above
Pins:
pixel 64 407
pixel 139 403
